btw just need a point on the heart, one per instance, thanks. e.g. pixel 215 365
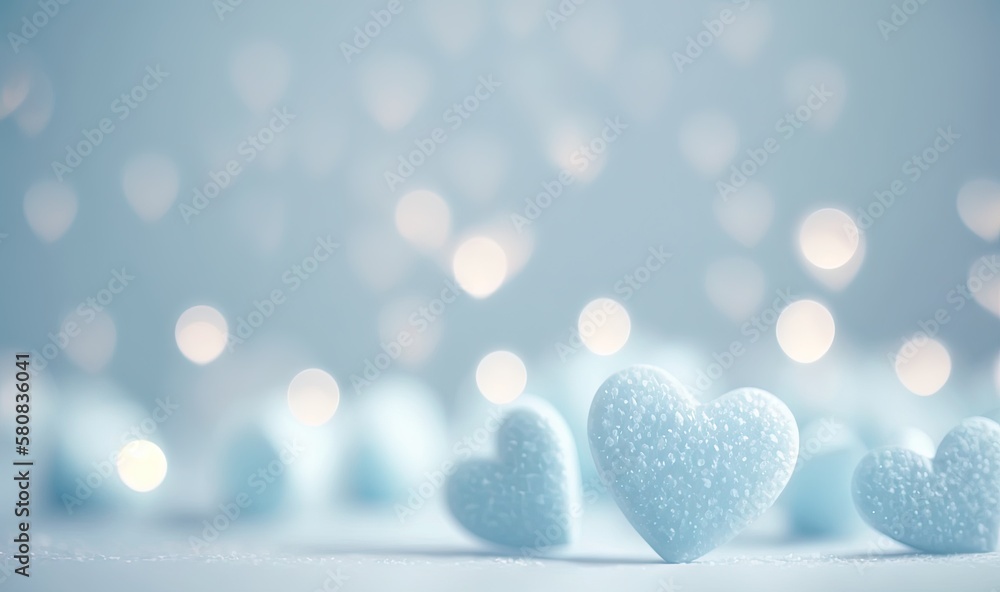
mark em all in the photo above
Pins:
pixel 948 504
pixel 689 477
pixel 529 498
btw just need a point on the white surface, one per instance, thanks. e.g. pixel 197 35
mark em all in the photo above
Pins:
pixel 429 553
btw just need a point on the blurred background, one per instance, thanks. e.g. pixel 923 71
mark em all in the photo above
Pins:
pixel 303 252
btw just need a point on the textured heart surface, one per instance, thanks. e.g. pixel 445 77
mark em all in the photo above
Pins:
pixel 948 504
pixel 689 477
pixel 529 497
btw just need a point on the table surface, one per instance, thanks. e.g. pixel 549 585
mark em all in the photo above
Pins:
pixel 368 551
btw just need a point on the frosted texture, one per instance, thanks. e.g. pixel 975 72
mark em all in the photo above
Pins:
pixel 528 499
pixel 687 476
pixel 950 504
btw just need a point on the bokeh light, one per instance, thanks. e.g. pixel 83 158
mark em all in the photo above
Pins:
pixel 477 165
pixel 454 25
pixel 49 208
pixel 746 215
pixel 828 238
pixel 393 88
pixel 379 255
pixel 501 377
pixel 322 144
pixel 575 145
pixel 520 17
pixel 643 84
pixel 913 439
pixel 150 183
pixel 841 277
pixel 262 221
pixel 480 266
pixel 260 73
pixel 813 76
pixel 805 331
pixel 460 152
pixel 709 141
pixel 422 333
pixel 313 397
pixel 594 36
pixel 142 466
pixel 735 285
pixel 13 90
pixel 979 207
pixel 518 247
pixel 34 112
pixel 604 326
pixel 424 219
pixel 201 334
pixel 398 436
pixel 93 345
pixel 744 39
pixel 984 283
pixel 996 374
pixel 923 365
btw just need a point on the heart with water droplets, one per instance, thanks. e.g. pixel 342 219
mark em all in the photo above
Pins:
pixel 689 476
pixel 948 504
pixel 528 498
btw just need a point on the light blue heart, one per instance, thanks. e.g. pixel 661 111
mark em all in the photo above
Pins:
pixel 689 477
pixel 528 498
pixel 948 504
